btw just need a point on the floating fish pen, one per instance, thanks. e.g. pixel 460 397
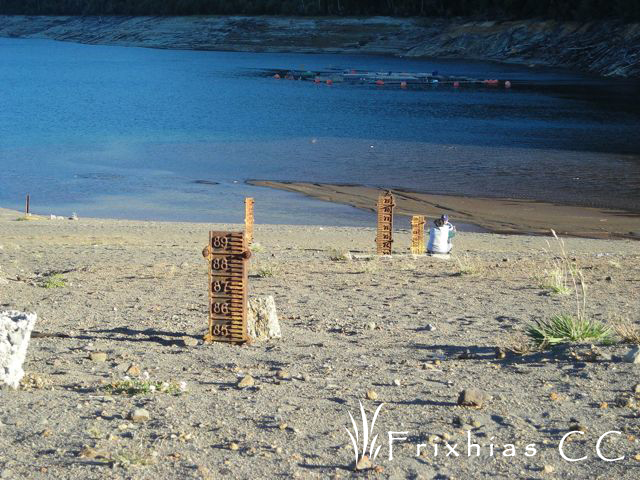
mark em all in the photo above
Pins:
pixel 393 79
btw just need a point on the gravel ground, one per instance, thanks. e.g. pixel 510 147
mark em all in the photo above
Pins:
pixel 409 332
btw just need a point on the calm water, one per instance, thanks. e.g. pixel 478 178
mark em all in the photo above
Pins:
pixel 126 132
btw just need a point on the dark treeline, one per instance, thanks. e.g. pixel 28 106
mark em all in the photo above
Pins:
pixel 496 9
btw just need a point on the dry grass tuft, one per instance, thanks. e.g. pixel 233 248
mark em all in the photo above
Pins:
pixel 628 332
pixel 336 255
pixel 467 266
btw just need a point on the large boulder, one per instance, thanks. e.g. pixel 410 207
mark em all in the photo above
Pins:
pixel 262 318
pixel 15 333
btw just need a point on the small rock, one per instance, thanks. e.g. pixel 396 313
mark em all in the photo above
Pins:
pixel 549 469
pixel 467 355
pixel 15 333
pixel 88 452
pixel 190 341
pixel 633 355
pixel 246 381
pixel 372 395
pixel 134 370
pixel 262 318
pixel 430 327
pixel 140 415
pixel 605 357
pixel 397 382
pixel 472 397
pixel 625 401
pixel 554 396
pixel 364 463
pixel 98 357
pixel 234 446
pixel 636 389
pixel 371 326
pixel 283 375
pixel 578 427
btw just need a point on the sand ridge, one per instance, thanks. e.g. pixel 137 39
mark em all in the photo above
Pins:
pixel 499 215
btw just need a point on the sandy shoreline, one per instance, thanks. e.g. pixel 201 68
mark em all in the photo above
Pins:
pixel 498 215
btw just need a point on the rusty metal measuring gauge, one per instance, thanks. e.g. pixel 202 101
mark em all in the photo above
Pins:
pixel 384 235
pixel 228 255
pixel 248 219
pixel 417 234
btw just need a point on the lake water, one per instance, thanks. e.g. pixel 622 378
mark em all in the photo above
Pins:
pixel 132 133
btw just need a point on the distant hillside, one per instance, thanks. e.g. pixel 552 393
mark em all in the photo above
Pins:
pixel 580 10
pixel 609 47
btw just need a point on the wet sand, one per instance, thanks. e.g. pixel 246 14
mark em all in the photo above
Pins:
pixel 498 215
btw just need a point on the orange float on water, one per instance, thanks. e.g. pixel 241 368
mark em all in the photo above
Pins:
pixel 379 82
pixel 403 84
pixel 456 84
pixel 277 76
pixel 507 84
pixel 316 80
pixel 329 82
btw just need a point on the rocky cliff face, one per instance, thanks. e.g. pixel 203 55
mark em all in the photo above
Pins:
pixel 604 48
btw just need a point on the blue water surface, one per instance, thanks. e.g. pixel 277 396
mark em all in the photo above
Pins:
pixel 132 133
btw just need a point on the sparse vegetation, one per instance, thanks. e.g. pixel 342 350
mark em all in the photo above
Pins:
pixel 467 266
pixel 264 270
pixel 95 432
pixel 131 387
pixel 556 281
pixel 628 332
pixel 339 255
pixel 33 381
pixel 563 272
pixel 568 328
pixel 257 248
pixel 128 458
pixel 522 346
pixel 55 280
pixel 615 264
